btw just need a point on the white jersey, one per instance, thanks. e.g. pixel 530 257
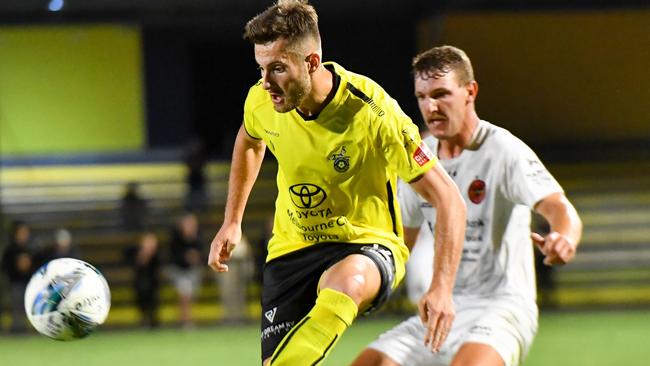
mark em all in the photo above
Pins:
pixel 501 179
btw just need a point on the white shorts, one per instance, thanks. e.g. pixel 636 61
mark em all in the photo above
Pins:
pixel 505 324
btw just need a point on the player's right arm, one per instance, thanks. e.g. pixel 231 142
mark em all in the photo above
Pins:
pixel 247 158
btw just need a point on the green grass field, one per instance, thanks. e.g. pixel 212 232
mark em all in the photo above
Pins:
pixel 576 339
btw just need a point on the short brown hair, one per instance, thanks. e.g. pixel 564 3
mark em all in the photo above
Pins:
pixel 438 61
pixel 293 20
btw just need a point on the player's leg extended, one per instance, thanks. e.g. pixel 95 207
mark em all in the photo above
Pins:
pixel 347 286
pixel 477 354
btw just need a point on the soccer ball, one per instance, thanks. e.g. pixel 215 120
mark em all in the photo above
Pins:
pixel 66 299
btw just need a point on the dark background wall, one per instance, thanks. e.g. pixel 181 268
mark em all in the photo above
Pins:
pixel 197 79
pixel 549 76
pixel 197 69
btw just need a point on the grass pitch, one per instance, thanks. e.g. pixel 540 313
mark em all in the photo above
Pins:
pixel 577 339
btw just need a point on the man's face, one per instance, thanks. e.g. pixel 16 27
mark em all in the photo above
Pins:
pixel 285 75
pixel 22 234
pixel 443 103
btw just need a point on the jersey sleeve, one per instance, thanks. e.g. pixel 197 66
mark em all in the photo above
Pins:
pixel 409 203
pixel 528 180
pixel 251 124
pixel 402 145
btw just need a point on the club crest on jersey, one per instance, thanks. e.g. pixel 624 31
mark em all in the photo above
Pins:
pixel 476 191
pixel 341 161
pixel 422 154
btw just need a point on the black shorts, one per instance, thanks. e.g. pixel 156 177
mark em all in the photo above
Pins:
pixel 290 283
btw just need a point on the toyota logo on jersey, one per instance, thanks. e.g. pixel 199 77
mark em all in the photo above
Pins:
pixel 307 195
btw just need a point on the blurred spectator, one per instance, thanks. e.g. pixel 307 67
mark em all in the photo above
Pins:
pixel 4 304
pixel 145 261
pixel 260 251
pixel 133 208
pixel 61 248
pixel 17 263
pixel 234 284
pixel 195 160
pixel 186 264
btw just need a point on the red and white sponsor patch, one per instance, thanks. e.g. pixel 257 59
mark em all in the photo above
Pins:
pixel 422 154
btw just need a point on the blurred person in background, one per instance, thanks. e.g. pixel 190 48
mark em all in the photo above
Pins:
pixel 133 208
pixel 18 264
pixel 234 285
pixel 340 142
pixel 260 251
pixel 501 180
pixel 145 260
pixel 62 247
pixel 185 269
pixel 196 198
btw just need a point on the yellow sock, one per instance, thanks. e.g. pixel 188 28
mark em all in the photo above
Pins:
pixel 315 335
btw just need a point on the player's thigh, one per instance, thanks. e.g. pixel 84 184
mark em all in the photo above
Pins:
pixel 355 275
pixel 404 345
pixel 475 354
pixel 494 329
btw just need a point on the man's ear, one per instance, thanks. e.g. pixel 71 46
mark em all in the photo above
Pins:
pixel 313 61
pixel 472 91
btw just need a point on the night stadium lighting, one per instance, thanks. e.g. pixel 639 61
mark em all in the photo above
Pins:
pixel 55 5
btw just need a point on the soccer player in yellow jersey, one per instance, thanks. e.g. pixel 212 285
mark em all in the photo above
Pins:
pixel 337 248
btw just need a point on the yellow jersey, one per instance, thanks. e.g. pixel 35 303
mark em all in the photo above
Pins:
pixel 337 170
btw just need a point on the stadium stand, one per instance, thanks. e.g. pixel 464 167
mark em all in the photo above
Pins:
pixel 612 268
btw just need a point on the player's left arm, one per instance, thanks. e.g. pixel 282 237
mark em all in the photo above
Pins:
pixel 436 307
pixel 560 244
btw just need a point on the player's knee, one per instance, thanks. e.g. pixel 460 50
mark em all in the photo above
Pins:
pixel 372 357
pixel 355 286
pixel 477 354
pixel 356 276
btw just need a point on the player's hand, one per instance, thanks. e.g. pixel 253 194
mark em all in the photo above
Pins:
pixel 222 246
pixel 557 248
pixel 437 314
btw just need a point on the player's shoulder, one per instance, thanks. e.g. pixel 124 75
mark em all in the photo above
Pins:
pixel 500 139
pixel 257 97
pixel 358 85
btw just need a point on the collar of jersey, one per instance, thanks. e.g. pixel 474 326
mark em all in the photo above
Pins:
pixel 333 100
pixel 479 136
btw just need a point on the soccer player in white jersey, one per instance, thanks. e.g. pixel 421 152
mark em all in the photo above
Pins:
pixel 501 180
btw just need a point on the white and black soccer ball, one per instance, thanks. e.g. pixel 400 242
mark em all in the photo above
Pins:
pixel 66 299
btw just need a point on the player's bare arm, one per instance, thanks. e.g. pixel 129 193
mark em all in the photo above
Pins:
pixel 410 236
pixel 560 244
pixel 247 157
pixel 436 306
